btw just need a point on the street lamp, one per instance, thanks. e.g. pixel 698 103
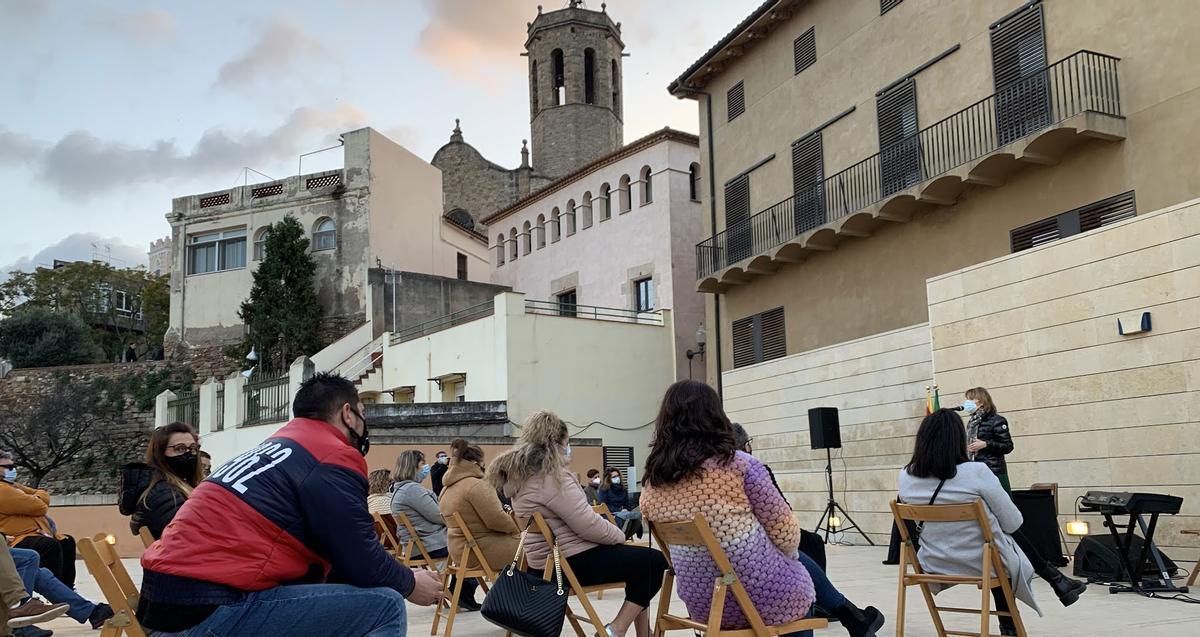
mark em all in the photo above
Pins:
pixel 701 338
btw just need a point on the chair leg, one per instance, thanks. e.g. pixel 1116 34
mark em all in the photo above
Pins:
pixel 901 593
pixel 437 610
pixel 1195 574
pixel 458 586
pixel 985 589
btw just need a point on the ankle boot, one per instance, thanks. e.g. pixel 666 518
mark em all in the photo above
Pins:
pixel 1007 626
pixel 859 623
pixel 1068 590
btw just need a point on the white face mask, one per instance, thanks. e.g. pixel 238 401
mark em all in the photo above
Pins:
pixel 567 451
pixel 616 481
pixel 595 482
pixel 969 406
pixel 443 459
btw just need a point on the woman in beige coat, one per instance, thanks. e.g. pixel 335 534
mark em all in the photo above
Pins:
pixel 464 492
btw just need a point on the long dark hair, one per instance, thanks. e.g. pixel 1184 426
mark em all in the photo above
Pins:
pixel 156 456
pixel 691 428
pixel 941 446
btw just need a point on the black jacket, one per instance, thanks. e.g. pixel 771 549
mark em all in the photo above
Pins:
pixel 436 473
pixel 993 429
pixel 159 506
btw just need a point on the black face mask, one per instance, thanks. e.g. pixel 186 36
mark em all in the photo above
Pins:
pixel 183 465
pixel 362 442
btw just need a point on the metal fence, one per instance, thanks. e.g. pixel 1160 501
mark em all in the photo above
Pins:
pixel 574 310
pixel 219 416
pixel 266 400
pixel 185 407
pixel 445 322
pixel 1082 82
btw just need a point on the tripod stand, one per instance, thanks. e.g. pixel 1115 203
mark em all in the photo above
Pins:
pixel 832 509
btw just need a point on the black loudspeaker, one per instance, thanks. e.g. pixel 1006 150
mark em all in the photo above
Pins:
pixel 1098 559
pixel 1041 524
pixel 824 432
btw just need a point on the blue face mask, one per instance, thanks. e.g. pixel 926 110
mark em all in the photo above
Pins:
pixel 424 472
pixel 969 406
pixel 10 475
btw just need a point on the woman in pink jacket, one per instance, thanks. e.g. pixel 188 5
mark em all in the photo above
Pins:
pixel 534 475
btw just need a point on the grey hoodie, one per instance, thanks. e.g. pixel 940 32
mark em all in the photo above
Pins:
pixel 421 507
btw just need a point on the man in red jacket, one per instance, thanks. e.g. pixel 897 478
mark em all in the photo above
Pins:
pixel 258 545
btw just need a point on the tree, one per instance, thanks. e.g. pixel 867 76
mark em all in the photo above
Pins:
pixel 38 337
pixel 282 313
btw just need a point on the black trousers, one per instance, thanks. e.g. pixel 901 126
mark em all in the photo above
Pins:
pixel 640 568
pixel 469 585
pixel 57 556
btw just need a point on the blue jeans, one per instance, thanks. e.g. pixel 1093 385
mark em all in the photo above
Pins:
pixel 43 582
pixel 310 609
pixel 828 597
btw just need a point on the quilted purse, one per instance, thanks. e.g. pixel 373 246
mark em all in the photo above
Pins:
pixel 525 604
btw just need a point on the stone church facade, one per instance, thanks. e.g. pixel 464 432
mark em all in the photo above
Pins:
pixel 575 116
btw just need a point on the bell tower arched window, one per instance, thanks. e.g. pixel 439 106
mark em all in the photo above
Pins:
pixel 589 76
pixel 560 82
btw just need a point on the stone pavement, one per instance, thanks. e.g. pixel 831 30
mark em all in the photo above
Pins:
pixel 858 573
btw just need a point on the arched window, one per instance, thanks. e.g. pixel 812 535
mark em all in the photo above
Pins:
pixel 526 239
pixel 555 229
pixel 589 76
pixel 585 210
pixel 694 181
pixel 560 84
pixel 623 193
pixel 605 202
pixel 533 86
pixel 512 244
pixel 324 235
pixel 616 89
pixel 260 243
pixel 570 217
pixel 500 249
pixel 646 180
pixel 541 232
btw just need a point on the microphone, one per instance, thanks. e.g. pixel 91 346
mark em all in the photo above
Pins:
pixel 958 408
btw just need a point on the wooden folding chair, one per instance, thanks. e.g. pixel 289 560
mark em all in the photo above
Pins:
pixel 575 588
pixel 696 532
pixel 1195 569
pixel 459 570
pixel 147 538
pixel 411 552
pixel 100 556
pixel 992 570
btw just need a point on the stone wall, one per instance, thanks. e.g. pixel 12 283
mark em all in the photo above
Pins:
pixel 472 183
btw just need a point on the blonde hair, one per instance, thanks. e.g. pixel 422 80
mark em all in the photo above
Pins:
pixel 539 451
pixel 982 398
pixel 379 481
pixel 408 465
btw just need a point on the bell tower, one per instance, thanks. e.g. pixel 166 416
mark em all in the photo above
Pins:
pixel 575 87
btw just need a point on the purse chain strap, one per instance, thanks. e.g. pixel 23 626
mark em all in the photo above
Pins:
pixel 557 560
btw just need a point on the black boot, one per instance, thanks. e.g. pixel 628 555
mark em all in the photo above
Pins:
pixel 1007 627
pixel 859 623
pixel 1067 589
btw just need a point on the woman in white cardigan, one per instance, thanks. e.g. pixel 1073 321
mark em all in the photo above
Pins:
pixel 956 548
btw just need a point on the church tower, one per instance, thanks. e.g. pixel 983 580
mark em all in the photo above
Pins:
pixel 575 89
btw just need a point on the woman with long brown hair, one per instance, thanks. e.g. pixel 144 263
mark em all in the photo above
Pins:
pixel 153 491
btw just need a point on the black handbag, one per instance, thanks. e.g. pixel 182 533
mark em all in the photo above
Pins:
pixel 525 604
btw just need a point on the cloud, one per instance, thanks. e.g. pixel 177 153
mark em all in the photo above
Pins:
pixel 82 246
pixel 152 26
pixel 282 45
pixel 466 36
pixel 82 164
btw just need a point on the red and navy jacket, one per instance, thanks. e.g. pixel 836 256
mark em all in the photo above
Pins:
pixel 292 510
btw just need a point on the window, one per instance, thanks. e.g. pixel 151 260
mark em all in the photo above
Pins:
pixel 804 50
pixel 737 219
pixel 555 232
pixel 616 88
pixel 623 192
pixel 1083 219
pixel 589 76
pixel 759 338
pixel 559 86
pixel 694 181
pixel 526 238
pixel 500 249
pixel 586 211
pixel 735 101
pixel 643 295
pixel 808 182
pixel 899 144
pixel 570 217
pixel 217 251
pixel 1018 70
pixel 541 232
pixel 606 206
pixel 888 5
pixel 567 304
pixel 324 235
pixel 512 241
pixel 647 185
pixel 533 87
pixel 460 391
pixel 462 266
pixel 260 244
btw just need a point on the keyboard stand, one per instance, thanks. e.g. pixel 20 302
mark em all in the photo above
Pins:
pixel 1163 584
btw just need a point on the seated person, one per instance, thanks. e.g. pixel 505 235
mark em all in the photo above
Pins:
pixel 592 488
pixel 694 467
pixel 18 611
pixel 23 519
pixel 42 582
pixel 613 494
pixel 534 474
pixel 379 491
pixel 257 547
pixel 153 491
pixel 956 548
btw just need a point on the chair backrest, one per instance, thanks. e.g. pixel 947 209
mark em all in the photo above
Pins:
pixel 602 509
pixel 454 521
pixel 414 543
pixel 387 535
pixel 969 512
pixel 100 556
pixel 147 537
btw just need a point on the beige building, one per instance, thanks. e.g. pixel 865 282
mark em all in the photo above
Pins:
pixel 893 184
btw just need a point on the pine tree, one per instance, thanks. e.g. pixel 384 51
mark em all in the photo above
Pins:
pixel 282 314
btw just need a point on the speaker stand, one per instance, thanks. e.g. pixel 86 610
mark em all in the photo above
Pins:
pixel 832 508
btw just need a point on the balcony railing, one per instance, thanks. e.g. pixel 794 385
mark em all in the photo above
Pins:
pixel 266 400
pixel 466 315
pixel 185 407
pixel 1083 82
pixel 574 310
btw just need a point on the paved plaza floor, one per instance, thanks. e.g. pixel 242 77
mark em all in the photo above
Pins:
pixel 857 572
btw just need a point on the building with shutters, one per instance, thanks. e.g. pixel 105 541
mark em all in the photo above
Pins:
pixel 909 192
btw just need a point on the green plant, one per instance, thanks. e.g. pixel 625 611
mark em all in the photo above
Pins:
pixel 39 337
pixel 282 314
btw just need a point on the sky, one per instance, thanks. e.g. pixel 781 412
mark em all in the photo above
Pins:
pixel 110 108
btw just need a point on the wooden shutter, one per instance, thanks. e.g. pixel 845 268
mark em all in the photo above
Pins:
pixel 808 182
pixel 774 341
pixel 743 342
pixel 888 5
pixel 899 146
pixel 1081 219
pixel 1018 71
pixel 804 50
pixel 737 219
pixel 1107 211
pixel 759 338
pixel 735 101
pixel 1034 234
pixel 619 458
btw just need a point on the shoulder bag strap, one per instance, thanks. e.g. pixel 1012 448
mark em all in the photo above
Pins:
pixel 921 525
